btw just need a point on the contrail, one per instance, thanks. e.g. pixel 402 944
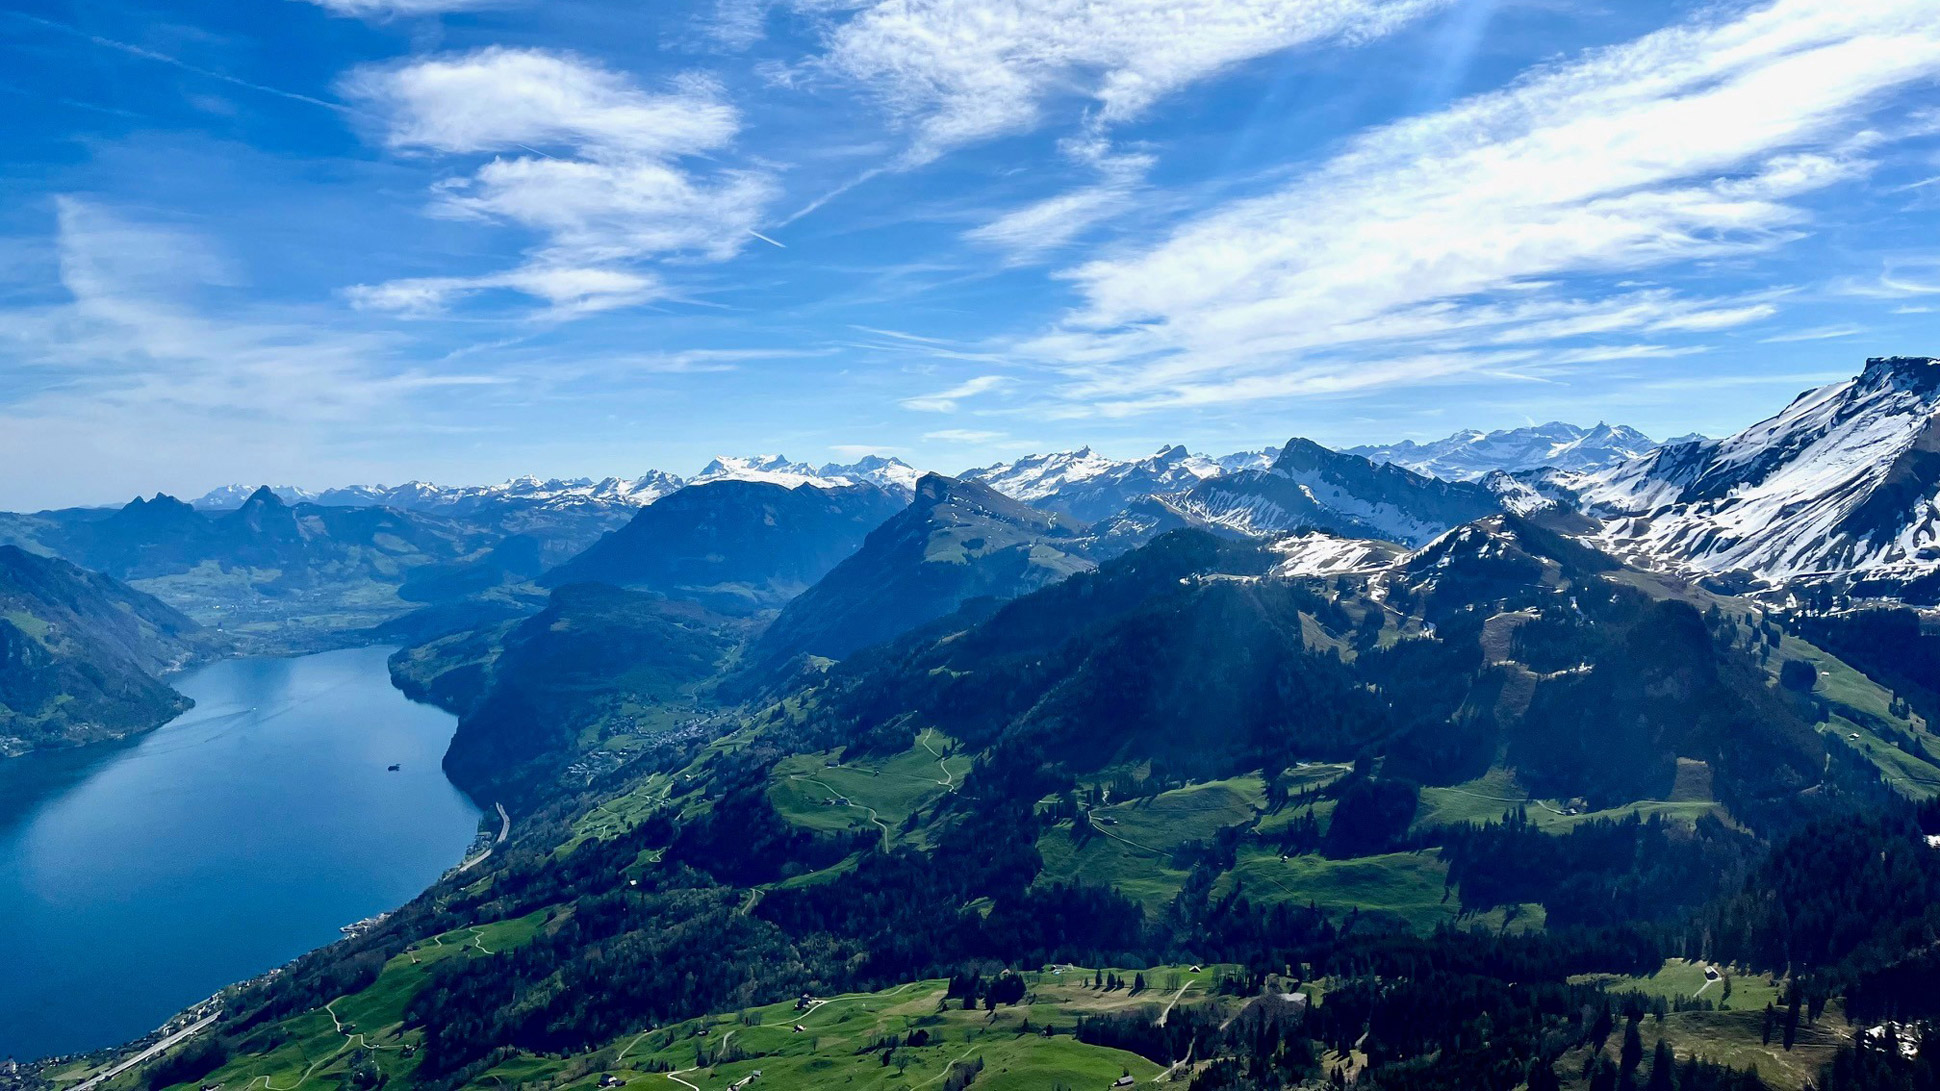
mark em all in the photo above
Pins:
pixel 151 55
pixel 833 194
pixel 765 238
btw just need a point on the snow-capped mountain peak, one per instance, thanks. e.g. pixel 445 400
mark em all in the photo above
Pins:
pixel 1471 454
pixel 1840 486
pixel 426 496
pixel 887 473
pixel 231 497
pixel 1034 478
pixel 892 475
pixel 1089 486
pixel 773 469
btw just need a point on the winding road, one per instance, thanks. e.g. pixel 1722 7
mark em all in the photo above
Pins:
pixel 833 794
pixel 949 779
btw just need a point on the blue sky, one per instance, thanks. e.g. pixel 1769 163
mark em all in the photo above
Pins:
pixel 323 241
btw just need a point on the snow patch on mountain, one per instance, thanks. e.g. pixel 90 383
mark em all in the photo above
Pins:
pixel 1318 554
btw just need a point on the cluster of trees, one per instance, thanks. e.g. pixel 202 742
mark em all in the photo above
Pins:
pixel 1847 895
pixel 1599 872
pixel 995 992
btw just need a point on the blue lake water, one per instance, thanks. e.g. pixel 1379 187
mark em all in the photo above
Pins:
pixel 138 878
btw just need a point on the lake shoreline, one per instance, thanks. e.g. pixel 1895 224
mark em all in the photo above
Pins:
pixel 346 838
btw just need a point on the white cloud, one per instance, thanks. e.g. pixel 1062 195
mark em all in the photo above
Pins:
pixel 959 71
pixel 945 401
pixel 595 211
pixel 505 99
pixel 615 188
pixel 962 435
pixel 569 291
pixel 1043 226
pixel 1692 142
pixel 385 9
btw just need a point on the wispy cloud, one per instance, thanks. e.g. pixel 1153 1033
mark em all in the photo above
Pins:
pixel 963 435
pixel 580 154
pixel 569 290
pixel 135 374
pixel 959 71
pixel 1424 242
pixel 386 9
pixel 1043 226
pixel 946 401
pixel 1815 333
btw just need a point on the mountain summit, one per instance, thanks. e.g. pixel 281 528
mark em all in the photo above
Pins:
pixel 737 544
pixel 1311 487
pixel 957 540
pixel 1840 490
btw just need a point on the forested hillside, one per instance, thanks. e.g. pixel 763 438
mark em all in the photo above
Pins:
pixel 1498 813
pixel 82 657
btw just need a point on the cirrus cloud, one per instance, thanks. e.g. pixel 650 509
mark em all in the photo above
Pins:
pixel 959 71
pixel 387 9
pixel 1454 230
pixel 946 401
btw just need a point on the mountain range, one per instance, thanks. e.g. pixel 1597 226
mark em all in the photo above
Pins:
pixel 890 474
pixel 273 575
pixel 1084 484
pixel 1309 487
pixel 1836 497
pixel 1470 455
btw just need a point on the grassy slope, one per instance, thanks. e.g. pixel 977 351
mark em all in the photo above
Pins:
pixel 1733 1036
pixel 314 1050
pixel 1401 887
pixel 1133 851
pixel 1131 844
pixel 1858 704
pixel 832 1049
pixel 883 791
pixel 1488 797
pixel 1730 1036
